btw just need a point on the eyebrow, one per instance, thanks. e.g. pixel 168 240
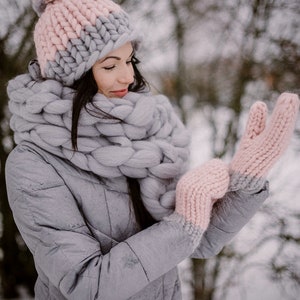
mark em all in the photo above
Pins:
pixel 115 57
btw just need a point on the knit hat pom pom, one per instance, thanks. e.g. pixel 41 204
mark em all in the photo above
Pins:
pixel 40 5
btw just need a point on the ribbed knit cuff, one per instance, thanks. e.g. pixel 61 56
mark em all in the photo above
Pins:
pixel 246 183
pixel 194 232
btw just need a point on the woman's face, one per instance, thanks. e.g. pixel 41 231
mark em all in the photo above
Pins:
pixel 114 73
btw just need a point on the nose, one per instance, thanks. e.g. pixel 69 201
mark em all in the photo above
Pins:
pixel 127 75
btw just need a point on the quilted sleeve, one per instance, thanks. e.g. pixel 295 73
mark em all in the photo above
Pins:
pixel 229 215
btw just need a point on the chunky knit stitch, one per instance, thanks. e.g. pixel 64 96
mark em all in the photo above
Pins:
pixel 198 189
pixel 262 145
pixel 70 35
pixel 147 141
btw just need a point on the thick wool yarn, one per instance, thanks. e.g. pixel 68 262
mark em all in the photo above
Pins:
pixel 147 141
pixel 262 145
pixel 198 189
pixel 70 35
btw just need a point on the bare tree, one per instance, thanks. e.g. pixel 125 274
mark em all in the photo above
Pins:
pixel 16 263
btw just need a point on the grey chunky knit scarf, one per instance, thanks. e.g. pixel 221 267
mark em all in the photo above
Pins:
pixel 145 140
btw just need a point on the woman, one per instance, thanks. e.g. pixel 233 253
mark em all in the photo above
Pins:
pixel 93 182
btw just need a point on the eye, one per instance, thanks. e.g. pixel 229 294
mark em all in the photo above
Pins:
pixel 134 60
pixel 130 61
pixel 109 68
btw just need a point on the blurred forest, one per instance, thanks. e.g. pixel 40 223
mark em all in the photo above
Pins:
pixel 213 59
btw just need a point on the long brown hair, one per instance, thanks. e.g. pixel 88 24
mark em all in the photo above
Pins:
pixel 86 88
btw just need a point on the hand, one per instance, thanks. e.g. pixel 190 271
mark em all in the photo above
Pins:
pixel 261 146
pixel 197 191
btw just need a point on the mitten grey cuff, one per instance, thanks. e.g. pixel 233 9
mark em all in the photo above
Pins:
pixel 246 183
pixel 194 232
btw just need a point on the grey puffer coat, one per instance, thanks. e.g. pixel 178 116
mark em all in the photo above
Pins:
pixel 85 241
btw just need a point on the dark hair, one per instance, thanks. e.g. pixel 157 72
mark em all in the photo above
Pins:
pixel 86 88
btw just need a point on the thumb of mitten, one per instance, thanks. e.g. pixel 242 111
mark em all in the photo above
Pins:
pixel 256 123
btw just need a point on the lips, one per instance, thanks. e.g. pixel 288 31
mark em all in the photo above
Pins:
pixel 120 93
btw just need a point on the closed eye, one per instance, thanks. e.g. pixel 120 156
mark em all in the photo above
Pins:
pixel 109 68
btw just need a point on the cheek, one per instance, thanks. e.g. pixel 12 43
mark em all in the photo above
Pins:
pixel 103 82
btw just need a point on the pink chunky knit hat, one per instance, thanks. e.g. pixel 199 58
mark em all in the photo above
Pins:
pixel 71 35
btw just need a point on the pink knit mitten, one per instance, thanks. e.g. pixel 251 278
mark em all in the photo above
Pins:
pixel 261 146
pixel 197 191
